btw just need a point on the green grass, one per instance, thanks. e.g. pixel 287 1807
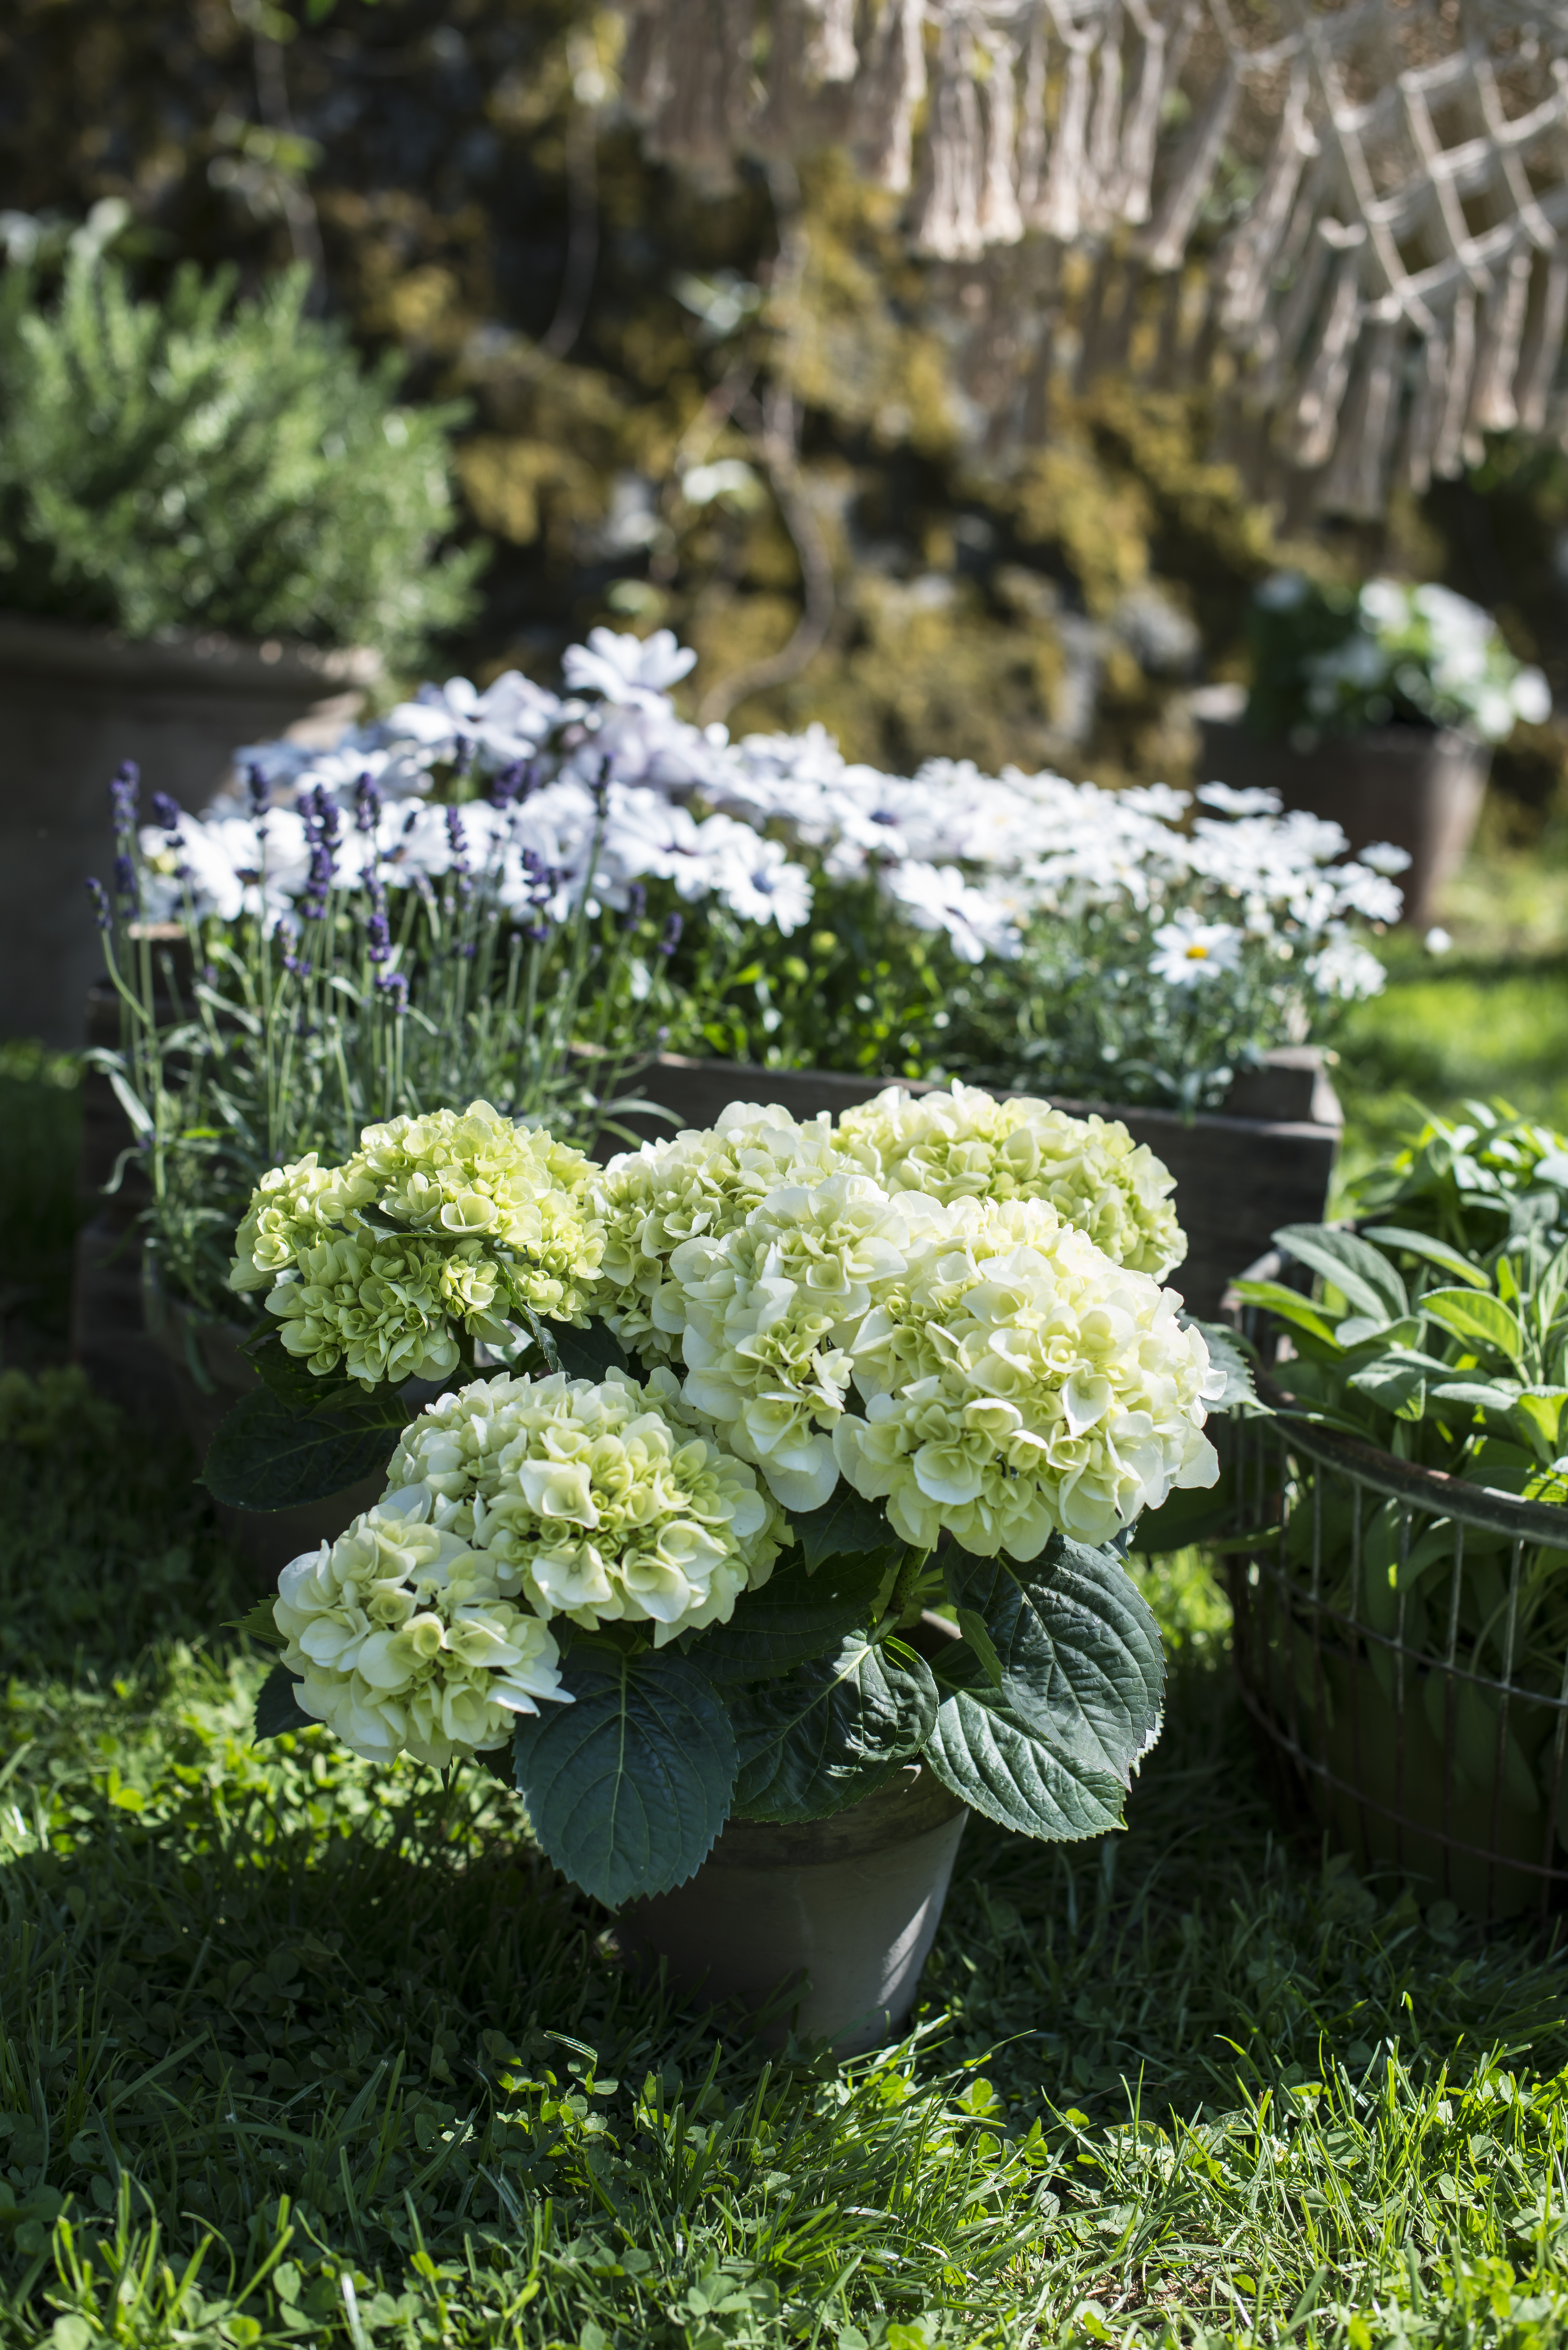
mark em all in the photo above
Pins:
pixel 1489 1018
pixel 297 2051
pixel 293 2051
pixel 39 1112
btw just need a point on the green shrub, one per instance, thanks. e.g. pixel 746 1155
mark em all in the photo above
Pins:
pixel 203 462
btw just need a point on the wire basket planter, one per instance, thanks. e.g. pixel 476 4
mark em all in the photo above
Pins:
pixel 1401 1642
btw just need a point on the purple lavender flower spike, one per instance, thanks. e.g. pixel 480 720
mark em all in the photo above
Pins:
pixel 636 906
pixel 392 984
pixel 99 897
pixel 671 937
pixel 122 797
pixel 124 887
pixel 367 803
pixel 259 788
pixel 167 813
pixel 506 785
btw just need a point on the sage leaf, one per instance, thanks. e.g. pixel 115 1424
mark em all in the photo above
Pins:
pixel 1477 1315
pixel 628 1787
pixel 833 1730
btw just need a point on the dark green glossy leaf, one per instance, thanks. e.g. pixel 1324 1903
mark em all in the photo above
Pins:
pixel 845 1527
pixel 266 1457
pixel 833 1730
pixel 278 1707
pixel 1082 1679
pixel 590 1354
pixel 628 1787
pixel 293 1381
pixel 793 1618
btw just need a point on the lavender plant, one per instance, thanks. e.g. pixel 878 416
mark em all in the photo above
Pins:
pixel 253 1038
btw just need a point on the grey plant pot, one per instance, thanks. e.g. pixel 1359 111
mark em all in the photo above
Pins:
pixel 74 704
pixel 1419 788
pixel 822 1926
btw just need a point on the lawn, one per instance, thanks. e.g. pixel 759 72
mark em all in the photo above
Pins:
pixel 295 2051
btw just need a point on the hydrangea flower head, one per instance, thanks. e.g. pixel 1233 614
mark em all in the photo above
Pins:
pixel 457 1218
pixel 402 1639
pixel 603 1502
pixel 966 1144
pixel 699 1183
pixel 769 1308
pixel 1021 1383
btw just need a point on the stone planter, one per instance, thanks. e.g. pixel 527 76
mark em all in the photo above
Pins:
pixel 75 703
pixel 1419 788
pixel 820 1928
pixel 1264 1161
pixel 207 1373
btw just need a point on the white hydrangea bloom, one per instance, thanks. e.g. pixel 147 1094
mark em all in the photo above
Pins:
pixel 697 1184
pixel 455 1218
pixel 403 1640
pixel 966 1144
pixel 769 1308
pixel 603 1502
pixel 1021 1383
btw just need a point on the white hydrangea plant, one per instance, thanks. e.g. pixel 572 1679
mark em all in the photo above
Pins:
pixel 874 1370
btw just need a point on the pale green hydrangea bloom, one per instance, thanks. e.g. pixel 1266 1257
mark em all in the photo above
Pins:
pixel 1020 1383
pixel 696 1185
pixel 457 1219
pixel 294 1209
pixel 965 1144
pixel 603 1502
pixel 403 1640
pixel 770 1307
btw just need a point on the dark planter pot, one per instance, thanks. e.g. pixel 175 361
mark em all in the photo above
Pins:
pixel 208 1373
pixel 75 703
pixel 820 1928
pixel 1421 788
pixel 1264 1161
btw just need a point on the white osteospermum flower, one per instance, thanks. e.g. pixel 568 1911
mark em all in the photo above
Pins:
pixel 1019 1383
pixel 768 1309
pixel 1343 969
pixel 1532 697
pixel 965 1144
pixel 1187 949
pixel 604 1502
pixel 627 669
pixel 403 1640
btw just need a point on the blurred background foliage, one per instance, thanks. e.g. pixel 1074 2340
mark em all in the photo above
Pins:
pixel 732 410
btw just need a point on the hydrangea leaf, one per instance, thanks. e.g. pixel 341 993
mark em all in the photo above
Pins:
pixel 1002 1767
pixel 590 1354
pixel 628 1787
pixel 833 1730
pixel 796 1616
pixel 278 1707
pixel 295 1383
pixel 266 1456
pixel 848 1527
pixel 1053 1747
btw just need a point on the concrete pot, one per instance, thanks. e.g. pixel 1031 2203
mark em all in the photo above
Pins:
pixel 74 704
pixel 208 1373
pixel 1419 788
pixel 820 1928
pixel 1265 1160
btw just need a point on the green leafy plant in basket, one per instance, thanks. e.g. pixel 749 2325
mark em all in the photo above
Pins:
pixel 1451 1355
pixel 722 1421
